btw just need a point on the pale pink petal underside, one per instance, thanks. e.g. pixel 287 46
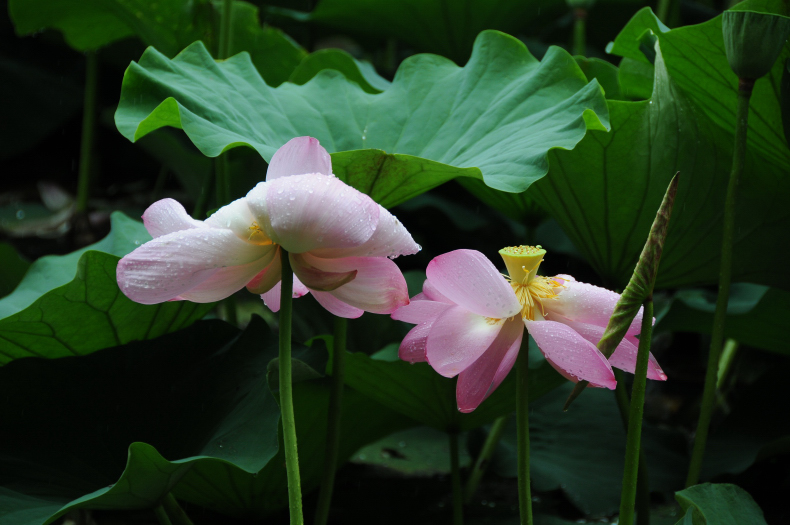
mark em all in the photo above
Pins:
pixel 568 351
pixel 458 338
pixel 270 276
pixel 586 303
pixel 433 294
pixel 302 213
pixel 298 156
pixel 272 298
pixel 418 311
pixel 233 278
pixel 336 306
pixel 172 264
pixel 378 287
pixel 470 280
pixel 320 279
pixel 412 348
pixel 168 216
pixel 477 382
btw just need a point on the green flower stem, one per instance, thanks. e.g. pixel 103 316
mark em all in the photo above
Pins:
pixel 161 515
pixel 580 31
pixel 725 275
pixel 725 362
pixel 174 511
pixel 522 436
pixel 643 480
pixel 455 472
pixel 630 473
pixel 225 30
pixel 479 468
pixel 222 169
pixel 286 394
pixel 663 10
pixel 88 127
pixel 201 206
pixel 333 421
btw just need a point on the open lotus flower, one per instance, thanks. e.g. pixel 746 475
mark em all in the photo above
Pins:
pixel 470 322
pixel 339 242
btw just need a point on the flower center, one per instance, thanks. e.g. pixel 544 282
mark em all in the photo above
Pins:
pixel 531 289
pixel 257 235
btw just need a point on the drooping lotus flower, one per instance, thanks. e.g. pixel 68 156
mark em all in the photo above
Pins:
pixel 339 242
pixel 470 322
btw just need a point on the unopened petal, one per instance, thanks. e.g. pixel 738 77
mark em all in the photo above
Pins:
pixel 570 353
pixel 173 264
pixel 458 338
pixel 299 156
pixel 470 280
pixel 302 213
pixel 272 298
pixel 378 287
pixel 168 216
pixel 478 381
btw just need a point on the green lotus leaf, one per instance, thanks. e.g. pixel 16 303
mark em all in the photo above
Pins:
pixel 718 504
pixel 495 119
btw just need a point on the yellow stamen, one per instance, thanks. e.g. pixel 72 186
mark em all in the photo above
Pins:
pixel 531 289
pixel 257 235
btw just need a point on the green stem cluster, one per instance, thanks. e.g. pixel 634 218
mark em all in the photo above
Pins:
pixel 286 394
pixel 725 276
pixel 333 421
pixel 479 468
pixel 632 448
pixel 522 435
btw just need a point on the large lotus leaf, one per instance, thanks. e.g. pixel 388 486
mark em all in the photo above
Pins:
pixel 718 504
pixel 363 421
pixel 52 271
pixel 88 314
pixel 606 191
pixel 14 268
pixel 72 426
pixel 168 25
pixel 496 118
pixel 417 391
pixel 581 451
pixel 434 26
pixel 756 315
pixel 360 72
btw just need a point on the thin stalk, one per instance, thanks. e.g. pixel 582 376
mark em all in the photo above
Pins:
pixel 88 128
pixel 286 394
pixel 580 31
pixel 643 480
pixel 225 30
pixel 333 421
pixel 522 436
pixel 455 470
pixel 725 362
pixel 479 468
pixel 159 185
pixel 174 511
pixel 161 515
pixel 725 275
pixel 631 470
pixel 663 10
pixel 201 206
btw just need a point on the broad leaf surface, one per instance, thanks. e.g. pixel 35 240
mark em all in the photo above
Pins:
pixel 756 315
pixel 52 271
pixel 496 118
pixel 417 391
pixel 362 73
pixel 581 451
pixel 99 427
pixel 88 314
pixel 606 191
pixel 14 268
pixel 167 25
pixel 718 504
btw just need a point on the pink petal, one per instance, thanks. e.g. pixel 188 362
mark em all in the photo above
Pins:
pixel 299 156
pixel 433 294
pixel 477 381
pixel 379 286
pixel 316 278
pixel 168 216
pixel 302 213
pixel 336 306
pixel 391 239
pixel 469 279
pixel 412 348
pixel 233 278
pixel 570 353
pixel 272 298
pixel 458 338
pixel 173 264
pixel 417 311
pixel 270 276
pixel 587 303
pixel 238 217
pixel 624 356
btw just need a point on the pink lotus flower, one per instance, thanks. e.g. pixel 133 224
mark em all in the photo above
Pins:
pixel 470 322
pixel 339 242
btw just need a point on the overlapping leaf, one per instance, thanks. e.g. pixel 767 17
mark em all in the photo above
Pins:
pixel 718 504
pixel 605 192
pixel 496 118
